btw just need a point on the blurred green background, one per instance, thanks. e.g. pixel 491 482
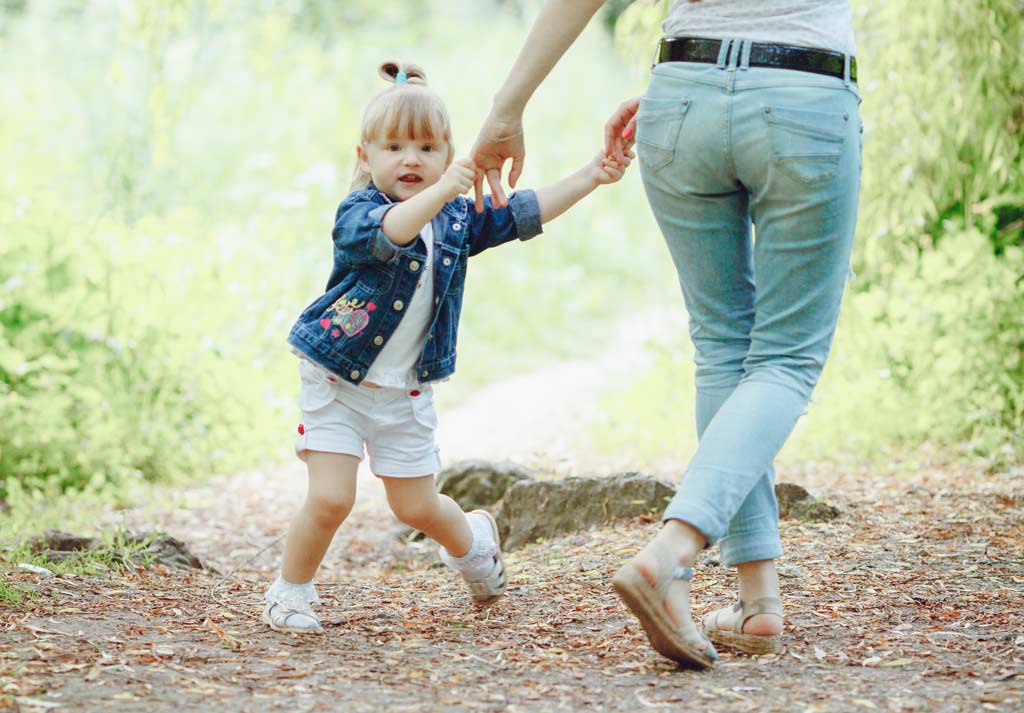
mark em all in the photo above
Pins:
pixel 169 171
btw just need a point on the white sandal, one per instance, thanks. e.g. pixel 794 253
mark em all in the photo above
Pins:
pixel 289 608
pixel 493 582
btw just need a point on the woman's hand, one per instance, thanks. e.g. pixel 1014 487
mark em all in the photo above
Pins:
pixel 603 170
pixel 620 131
pixel 500 139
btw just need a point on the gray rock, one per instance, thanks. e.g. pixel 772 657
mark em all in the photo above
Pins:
pixel 548 508
pixel 477 484
pixel 172 552
pixel 60 541
pixel 795 502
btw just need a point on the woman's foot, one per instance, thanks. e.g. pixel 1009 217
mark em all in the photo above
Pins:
pixel 655 586
pixel 753 627
pixel 676 599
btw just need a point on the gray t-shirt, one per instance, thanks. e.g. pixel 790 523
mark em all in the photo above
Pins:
pixel 812 23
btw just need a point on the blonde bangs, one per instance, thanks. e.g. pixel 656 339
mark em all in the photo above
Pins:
pixel 407 112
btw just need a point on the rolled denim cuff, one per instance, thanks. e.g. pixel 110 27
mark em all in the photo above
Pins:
pixel 381 246
pixel 526 214
pixel 753 546
pixel 698 518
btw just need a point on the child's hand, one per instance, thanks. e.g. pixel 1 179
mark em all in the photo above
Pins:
pixel 458 179
pixel 604 170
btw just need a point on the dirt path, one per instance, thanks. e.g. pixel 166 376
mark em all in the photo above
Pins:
pixel 912 600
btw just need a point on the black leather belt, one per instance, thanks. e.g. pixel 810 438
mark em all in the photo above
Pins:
pixel 762 54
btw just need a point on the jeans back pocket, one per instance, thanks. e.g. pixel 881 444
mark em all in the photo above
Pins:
pixel 657 130
pixel 806 144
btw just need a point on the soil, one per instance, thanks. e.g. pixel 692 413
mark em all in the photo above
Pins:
pixel 911 600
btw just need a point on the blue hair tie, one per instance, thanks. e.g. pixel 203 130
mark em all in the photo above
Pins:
pixel 401 77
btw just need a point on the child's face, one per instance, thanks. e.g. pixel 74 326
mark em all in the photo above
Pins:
pixel 401 168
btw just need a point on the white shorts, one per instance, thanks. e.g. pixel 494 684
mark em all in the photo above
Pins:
pixel 397 427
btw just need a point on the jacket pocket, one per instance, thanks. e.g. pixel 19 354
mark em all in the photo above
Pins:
pixel 658 122
pixel 807 145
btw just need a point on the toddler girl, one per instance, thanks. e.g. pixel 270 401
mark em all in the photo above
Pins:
pixel 371 346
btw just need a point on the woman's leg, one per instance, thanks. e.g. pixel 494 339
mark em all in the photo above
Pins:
pixel 803 182
pixel 329 499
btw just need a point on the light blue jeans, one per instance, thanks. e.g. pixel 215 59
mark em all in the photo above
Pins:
pixel 725 152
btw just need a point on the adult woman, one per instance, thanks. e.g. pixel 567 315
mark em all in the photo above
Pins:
pixel 745 122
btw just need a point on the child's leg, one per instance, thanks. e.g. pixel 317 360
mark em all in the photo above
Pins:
pixel 416 502
pixel 329 500
pixel 469 542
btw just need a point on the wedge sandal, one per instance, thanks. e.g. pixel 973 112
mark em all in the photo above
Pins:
pixel 735 638
pixel 648 605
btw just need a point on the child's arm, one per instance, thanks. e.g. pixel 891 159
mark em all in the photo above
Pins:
pixel 405 221
pixel 528 209
pixel 558 197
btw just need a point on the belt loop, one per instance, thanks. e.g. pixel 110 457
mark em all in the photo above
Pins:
pixel 734 54
pixel 846 69
pixel 657 53
pixel 723 53
pixel 745 55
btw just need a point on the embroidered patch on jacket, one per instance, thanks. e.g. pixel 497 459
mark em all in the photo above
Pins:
pixel 350 317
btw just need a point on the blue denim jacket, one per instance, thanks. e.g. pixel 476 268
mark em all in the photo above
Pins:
pixel 373 279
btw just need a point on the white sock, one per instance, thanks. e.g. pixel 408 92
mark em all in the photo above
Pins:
pixel 293 596
pixel 479 561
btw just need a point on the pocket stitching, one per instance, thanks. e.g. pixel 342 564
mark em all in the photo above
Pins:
pixel 665 152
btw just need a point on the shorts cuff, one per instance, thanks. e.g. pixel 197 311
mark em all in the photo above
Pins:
pixel 305 444
pixel 430 465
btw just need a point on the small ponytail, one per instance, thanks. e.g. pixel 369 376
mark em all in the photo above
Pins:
pixel 413 74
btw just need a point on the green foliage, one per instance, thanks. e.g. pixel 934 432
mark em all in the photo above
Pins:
pixel 171 170
pixel 12 596
pixel 936 356
pixel 115 552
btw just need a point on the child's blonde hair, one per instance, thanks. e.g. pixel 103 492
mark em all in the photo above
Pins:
pixel 408 110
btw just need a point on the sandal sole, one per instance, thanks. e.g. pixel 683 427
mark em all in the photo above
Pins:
pixel 745 643
pixel 639 597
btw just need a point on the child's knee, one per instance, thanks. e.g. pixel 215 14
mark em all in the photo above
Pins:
pixel 417 514
pixel 329 510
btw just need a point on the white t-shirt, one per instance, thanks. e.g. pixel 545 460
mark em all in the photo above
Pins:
pixel 395 366
pixel 827 24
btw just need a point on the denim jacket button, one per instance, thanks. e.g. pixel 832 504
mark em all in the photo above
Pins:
pixel 398 305
pixel 378 340
pixel 456 226
pixel 447 261
pixel 414 266
pixel 354 375
pixel 426 373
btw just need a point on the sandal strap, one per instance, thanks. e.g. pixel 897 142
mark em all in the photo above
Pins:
pixel 683 573
pixel 762 605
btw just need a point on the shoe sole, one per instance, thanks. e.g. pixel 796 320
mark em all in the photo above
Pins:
pixel 639 597
pixel 499 557
pixel 746 643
